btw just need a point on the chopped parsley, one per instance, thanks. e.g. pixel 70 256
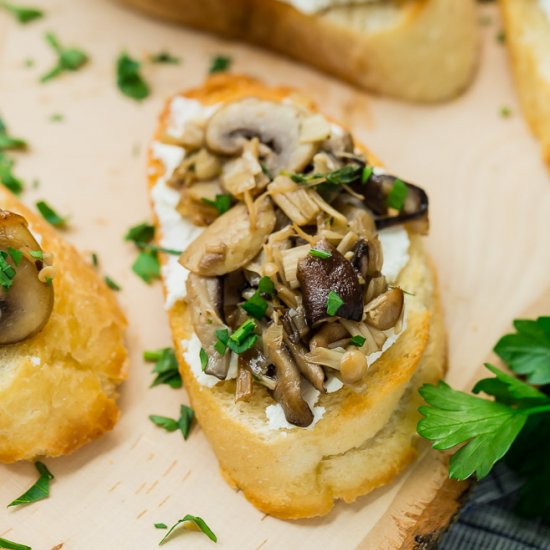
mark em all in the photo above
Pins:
pixel 40 490
pixel 10 545
pixel 147 266
pixel 219 64
pixel 16 255
pixel 240 341
pixel 68 59
pixel 199 522
pixel 7 272
pixel 140 233
pixel 334 303
pixel 366 174
pixel 505 112
pixel 129 80
pixel 8 178
pixel 398 195
pixel 23 14
pixel 222 203
pixel 166 367
pixel 323 254
pixel 266 286
pixel 165 57
pixel 50 215
pixel 10 142
pixel 256 306
pixel 170 425
pixel 357 340
pixel 95 259
pixel 343 176
pixel 57 117
pixel 203 356
pixel 112 284
pixel 161 526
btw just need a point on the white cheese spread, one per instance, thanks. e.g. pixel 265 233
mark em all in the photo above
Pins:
pixel 314 6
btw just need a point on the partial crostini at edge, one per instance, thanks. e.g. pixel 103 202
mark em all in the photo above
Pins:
pixel 304 310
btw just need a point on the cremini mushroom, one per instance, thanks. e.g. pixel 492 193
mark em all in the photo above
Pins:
pixel 383 312
pixel 230 242
pixel 319 277
pixel 276 125
pixel 26 304
pixel 205 293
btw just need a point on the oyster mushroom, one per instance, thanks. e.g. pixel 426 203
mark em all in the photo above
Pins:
pixel 276 125
pixel 26 305
pixel 229 242
pixel 384 311
pixel 318 277
pixel 205 293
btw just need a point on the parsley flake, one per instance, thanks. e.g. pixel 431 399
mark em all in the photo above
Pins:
pixel 256 306
pixel 222 203
pixel 220 63
pixel 166 367
pixel 366 174
pixel 68 59
pixel 171 425
pixel 40 490
pixel 165 57
pixel 21 13
pixel 8 178
pixel 15 255
pixel 266 286
pixel 398 195
pixel 147 266
pixel 140 233
pixel 112 284
pixel 199 522
pixel 50 215
pixel 323 254
pixel 161 526
pixel 203 356
pixel 10 545
pixel 129 80
pixel 357 340
pixel 334 303
pixel 7 272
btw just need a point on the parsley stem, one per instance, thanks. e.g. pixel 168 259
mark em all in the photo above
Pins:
pixel 537 410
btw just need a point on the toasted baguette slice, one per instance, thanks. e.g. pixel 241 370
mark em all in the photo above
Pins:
pixel 527 28
pixel 365 437
pixel 420 50
pixel 58 388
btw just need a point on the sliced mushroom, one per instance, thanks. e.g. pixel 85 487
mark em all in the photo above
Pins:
pixel 384 312
pixel 196 202
pixel 288 390
pixel 26 306
pixel 233 285
pixel 328 334
pixel 258 363
pixel 368 257
pixel 229 242
pixel 243 387
pixel 205 293
pixel 276 125
pixel 318 277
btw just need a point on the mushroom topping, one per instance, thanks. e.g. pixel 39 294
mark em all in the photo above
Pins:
pixel 288 390
pixel 230 242
pixel 243 389
pixel 367 257
pixel 258 363
pixel 276 125
pixel 319 277
pixel 327 335
pixel 384 312
pixel 205 293
pixel 26 302
pixel 353 366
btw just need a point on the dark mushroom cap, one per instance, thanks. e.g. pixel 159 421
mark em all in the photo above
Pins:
pixel 318 277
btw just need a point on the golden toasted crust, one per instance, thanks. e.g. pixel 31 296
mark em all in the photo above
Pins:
pixel 300 472
pixel 58 388
pixel 528 40
pixel 420 50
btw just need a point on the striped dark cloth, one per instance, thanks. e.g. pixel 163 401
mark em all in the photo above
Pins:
pixel 487 521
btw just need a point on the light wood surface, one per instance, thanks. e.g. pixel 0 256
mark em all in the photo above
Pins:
pixel 490 206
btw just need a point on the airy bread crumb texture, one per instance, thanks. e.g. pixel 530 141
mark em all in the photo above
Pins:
pixel 58 388
pixel 365 437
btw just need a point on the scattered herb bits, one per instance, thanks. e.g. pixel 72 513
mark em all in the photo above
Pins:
pixel 203 356
pixel 222 203
pixel 166 367
pixel 334 303
pixel 266 286
pixel 161 526
pixel 68 59
pixel 140 234
pixel 323 254
pixel 39 491
pixel 219 64
pixel 8 178
pixel 165 57
pixel 57 117
pixel 129 79
pixel 198 521
pixel 398 195
pixel 112 284
pixel 366 174
pixel 357 340
pixel 10 545
pixel 164 422
pixel 183 424
pixel 50 215
pixel 23 14
pixel 256 306
pixel 147 266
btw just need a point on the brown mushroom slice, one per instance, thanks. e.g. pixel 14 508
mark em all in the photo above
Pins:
pixel 26 306
pixel 243 385
pixel 368 257
pixel 276 125
pixel 327 335
pixel 258 363
pixel 229 242
pixel 319 276
pixel 288 390
pixel 384 311
pixel 205 295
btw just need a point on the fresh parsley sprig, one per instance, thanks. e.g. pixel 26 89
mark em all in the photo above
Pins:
pixel 183 423
pixel 39 491
pixel 166 367
pixel 10 545
pixel 50 215
pixel 23 14
pixel 198 521
pixel 129 79
pixel 68 59
pixel 220 64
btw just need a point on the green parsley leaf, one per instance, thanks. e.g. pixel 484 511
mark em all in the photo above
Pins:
pixel 219 64
pixel 154 248
pixel 168 424
pixel 266 286
pixel 57 117
pixel 22 14
pixel 501 37
pixel 129 80
pixel 222 336
pixel 38 254
pixel 68 59
pixel 323 254
pixel 40 490
pixel 346 175
pixel 527 352
pixel 357 340
pixel 366 174
pixel 161 526
pixel 240 335
pixel 398 195
pixel 199 522
pixel 241 340
pixel 112 284
pixel 147 266
pixel 187 414
pixel 505 112
pixel 256 306
pixel 203 356
pixel 166 367
pixel 140 233
pixel 7 272
pixel 222 203
pixel 334 303
pixel 165 57
pixel 10 142
pixel 7 177
pixel 10 545
pixel 50 215
pixel 16 255
pixel 95 259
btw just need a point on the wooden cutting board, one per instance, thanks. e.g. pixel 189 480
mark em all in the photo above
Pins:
pixel 490 206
